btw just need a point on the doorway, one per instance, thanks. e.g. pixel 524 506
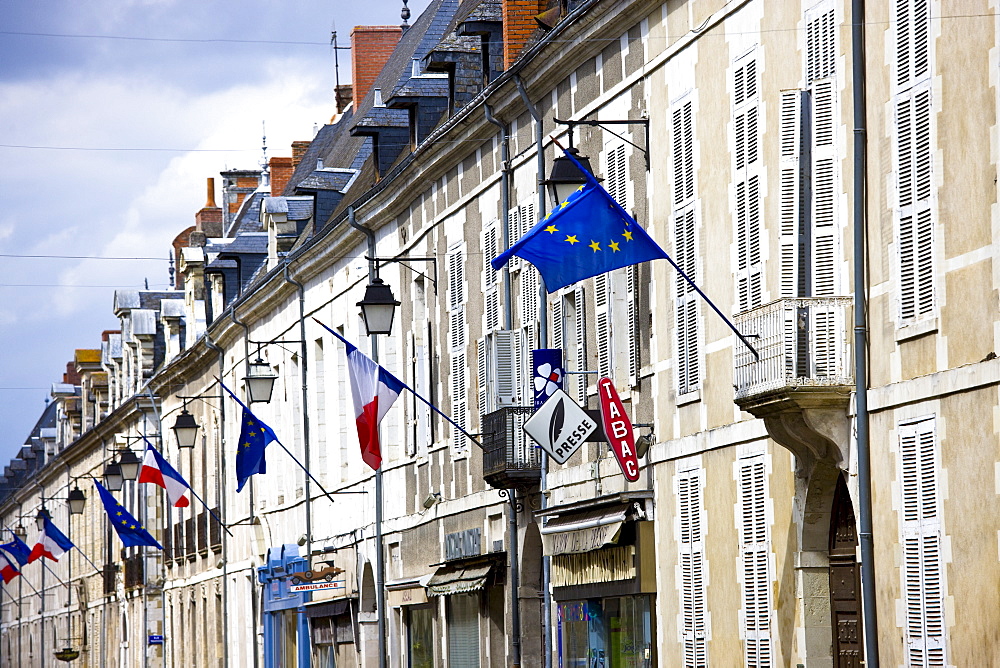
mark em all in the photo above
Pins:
pixel 845 605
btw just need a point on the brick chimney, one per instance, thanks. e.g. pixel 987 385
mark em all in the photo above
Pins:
pixel 371 47
pixel 209 220
pixel 518 25
pixel 344 94
pixel 72 376
pixel 299 149
pixel 281 173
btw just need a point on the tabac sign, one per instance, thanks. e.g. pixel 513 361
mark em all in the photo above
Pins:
pixel 618 428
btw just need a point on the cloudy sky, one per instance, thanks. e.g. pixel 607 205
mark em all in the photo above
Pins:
pixel 112 115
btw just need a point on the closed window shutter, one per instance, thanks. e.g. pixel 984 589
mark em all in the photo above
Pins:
pixel 580 344
pixel 633 341
pixel 793 174
pixel 747 169
pixel 912 21
pixel 685 246
pixel 529 327
pixel 755 549
pixel 491 287
pixel 556 319
pixel 923 584
pixel 602 315
pixel 457 338
pixel 616 179
pixel 821 47
pixel 691 558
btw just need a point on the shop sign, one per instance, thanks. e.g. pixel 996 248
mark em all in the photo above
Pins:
pixel 462 544
pixel 317 586
pixel 410 596
pixel 618 427
pixel 560 426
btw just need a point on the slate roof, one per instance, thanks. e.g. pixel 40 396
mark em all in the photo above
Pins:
pixel 334 178
pixel 246 243
pixel 425 85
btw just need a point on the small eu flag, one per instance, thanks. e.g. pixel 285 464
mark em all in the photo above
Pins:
pixel 587 235
pixel 128 528
pixel 18 549
pixel 254 437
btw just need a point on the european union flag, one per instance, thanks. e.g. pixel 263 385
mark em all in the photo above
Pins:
pixel 254 437
pixel 587 235
pixel 128 528
pixel 18 549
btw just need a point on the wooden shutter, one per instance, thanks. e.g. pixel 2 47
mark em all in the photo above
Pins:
pixel 685 245
pixel 923 582
pixel 580 344
pixel 633 341
pixel 825 190
pixel 457 338
pixel 691 557
pixel 530 287
pixel 747 168
pixel 755 552
pixel 912 21
pixel 821 47
pixel 602 315
pixel 491 288
pixel 914 185
pixel 616 174
pixel 793 174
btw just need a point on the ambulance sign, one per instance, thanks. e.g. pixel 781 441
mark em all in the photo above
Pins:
pixel 618 428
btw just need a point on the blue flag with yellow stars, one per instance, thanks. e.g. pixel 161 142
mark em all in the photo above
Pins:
pixel 587 235
pixel 254 437
pixel 128 528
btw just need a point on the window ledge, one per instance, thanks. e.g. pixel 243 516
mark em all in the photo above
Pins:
pixel 916 329
pixel 688 397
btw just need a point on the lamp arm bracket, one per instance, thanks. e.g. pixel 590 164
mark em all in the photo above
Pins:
pixel 601 124
pixel 403 259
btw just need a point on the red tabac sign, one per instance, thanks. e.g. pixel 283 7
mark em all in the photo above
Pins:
pixel 618 428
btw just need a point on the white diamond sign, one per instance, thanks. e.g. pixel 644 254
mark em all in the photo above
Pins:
pixel 560 426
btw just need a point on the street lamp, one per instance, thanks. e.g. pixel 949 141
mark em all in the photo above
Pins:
pixel 113 478
pixel 378 307
pixel 260 381
pixel 41 518
pixel 76 500
pixel 20 532
pixel 565 177
pixel 185 429
pixel 129 464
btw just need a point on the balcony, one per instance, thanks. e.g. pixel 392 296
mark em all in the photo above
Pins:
pixel 510 458
pixel 801 385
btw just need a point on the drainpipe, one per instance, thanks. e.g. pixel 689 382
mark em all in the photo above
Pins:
pixel 508 317
pixel 543 339
pixel 379 557
pixel 304 370
pixel 222 510
pixel 868 601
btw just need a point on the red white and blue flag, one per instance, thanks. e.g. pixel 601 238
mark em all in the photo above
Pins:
pixel 157 470
pixel 374 390
pixel 8 567
pixel 52 543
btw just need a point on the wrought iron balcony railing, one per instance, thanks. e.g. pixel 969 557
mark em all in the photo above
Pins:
pixel 510 458
pixel 802 342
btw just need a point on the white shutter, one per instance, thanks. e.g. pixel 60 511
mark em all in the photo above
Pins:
pixel 691 560
pixel 498 379
pixel 916 224
pixel 556 323
pixel 602 314
pixel 755 551
pixel 825 188
pixel 458 340
pixel 685 254
pixel 529 328
pixel 912 21
pixel 616 174
pixel 747 168
pixel 791 168
pixel 483 376
pixel 821 47
pixel 633 340
pixel 580 344
pixel 491 288
pixel 923 576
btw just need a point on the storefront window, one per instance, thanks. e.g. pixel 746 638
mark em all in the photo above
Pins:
pixel 421 636
pixel 463 631
pixel 606 633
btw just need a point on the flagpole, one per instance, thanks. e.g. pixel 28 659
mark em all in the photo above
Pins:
pixel 590 179
pixel 407 387
pixel 294 458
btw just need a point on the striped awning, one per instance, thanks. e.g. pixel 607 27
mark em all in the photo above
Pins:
pixel 458 579
pixel 583 531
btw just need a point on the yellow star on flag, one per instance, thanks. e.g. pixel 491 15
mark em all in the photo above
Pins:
pixel 614 246
pixel 551 228
pixel 572 239
pixel 595 245
pixel 627 235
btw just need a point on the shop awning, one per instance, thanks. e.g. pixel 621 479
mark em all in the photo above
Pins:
pixel 450 579
pixel 330 609
pixel 583 531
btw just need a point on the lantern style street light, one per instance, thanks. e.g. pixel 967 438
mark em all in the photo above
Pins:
pixel 20 531
pixel 129 464
pixel 565 177
pixel 113 478
pixel 76 500
pixel 259 381
pixel 40 519
pixel 378 307
pixel 185 429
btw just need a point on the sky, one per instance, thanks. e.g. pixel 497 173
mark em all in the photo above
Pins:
pixel 113 113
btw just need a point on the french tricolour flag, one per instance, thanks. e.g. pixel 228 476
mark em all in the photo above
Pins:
pixel 8 567
pixel 156 470
pixel 374 390
pixel 52 543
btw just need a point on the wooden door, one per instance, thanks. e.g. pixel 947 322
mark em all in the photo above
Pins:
pixel 845 583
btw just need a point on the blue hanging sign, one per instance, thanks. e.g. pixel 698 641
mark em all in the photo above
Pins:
pixel 547 374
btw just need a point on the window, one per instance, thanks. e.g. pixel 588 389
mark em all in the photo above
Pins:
pixel 569 333
pixel 463 631
pixel 912 136
pixel 755 560
pixel 420 636
pixel 686 248
pixel 457 340
pixel 747 174
pixel 691 557
pixel 614 631
pixel 923 568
